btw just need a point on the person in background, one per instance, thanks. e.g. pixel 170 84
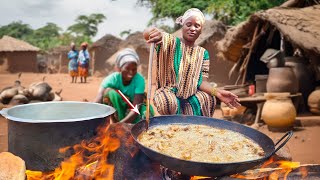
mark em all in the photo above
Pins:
pixel 130 83
pixel 73 64
pixel 83 62
pixel 183 71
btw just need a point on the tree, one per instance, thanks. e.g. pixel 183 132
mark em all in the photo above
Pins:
pixel 16 29
pixel 235 11
pixel 172 8
pixel 45 37
pixel 229 11
pixel 125 33
pixel 87 25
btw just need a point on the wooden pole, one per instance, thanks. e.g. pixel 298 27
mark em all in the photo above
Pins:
pixel 60 62
pixel 149 85
pixel 93 62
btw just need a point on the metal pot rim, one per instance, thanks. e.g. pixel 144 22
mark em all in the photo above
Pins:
pixel 109 111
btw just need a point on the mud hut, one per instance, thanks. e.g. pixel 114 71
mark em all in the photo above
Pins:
pixel 17 56
pixel 101 50
pixel 57 59
pixel 292 29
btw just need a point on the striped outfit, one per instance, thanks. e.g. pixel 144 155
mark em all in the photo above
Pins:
pixel 180 70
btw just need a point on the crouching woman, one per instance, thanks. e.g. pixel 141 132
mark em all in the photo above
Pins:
pixel 130 83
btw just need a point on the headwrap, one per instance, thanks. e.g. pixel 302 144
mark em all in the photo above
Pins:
pixel 84 44
pixel 189 13
pixel 125 56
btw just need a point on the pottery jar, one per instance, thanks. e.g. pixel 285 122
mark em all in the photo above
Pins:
pixel 314 101
pixel 278 110
pixel 282 79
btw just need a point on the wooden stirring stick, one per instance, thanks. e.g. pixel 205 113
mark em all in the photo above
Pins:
pixel 149 85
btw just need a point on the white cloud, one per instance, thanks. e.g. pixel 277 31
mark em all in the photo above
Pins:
pixel 121 14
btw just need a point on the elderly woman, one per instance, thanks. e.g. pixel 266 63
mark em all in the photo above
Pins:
pixel 83 62
pixel 183 70
pixel 130 83
pixel 73 65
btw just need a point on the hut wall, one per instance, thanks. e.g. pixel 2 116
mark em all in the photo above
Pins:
pixel 20 62
pixel 54 61
pixel 144 60
pixel 3 63
pixel 100 55
pixel 219 68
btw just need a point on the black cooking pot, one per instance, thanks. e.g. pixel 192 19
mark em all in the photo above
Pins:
pixel 37 131
pixel 203 168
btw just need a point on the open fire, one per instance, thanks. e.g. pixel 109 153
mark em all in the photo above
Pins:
pixel 89 160
pixel 273 170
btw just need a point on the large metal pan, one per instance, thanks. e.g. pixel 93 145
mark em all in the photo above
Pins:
pixel 202 168
pixel 37 131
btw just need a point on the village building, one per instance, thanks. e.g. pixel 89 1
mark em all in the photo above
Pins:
pixel 57 59
pixel 277 50
pixel 17 56
pixel 101 50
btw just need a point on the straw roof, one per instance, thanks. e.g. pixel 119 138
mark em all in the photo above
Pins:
pixel 300 26
pixel 10 44
pixel 106 41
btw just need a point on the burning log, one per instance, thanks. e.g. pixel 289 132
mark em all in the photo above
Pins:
pixel 11 167
pixel 280 169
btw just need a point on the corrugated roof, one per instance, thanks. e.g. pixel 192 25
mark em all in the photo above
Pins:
pixel 10 44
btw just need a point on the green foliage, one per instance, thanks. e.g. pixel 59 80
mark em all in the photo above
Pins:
pixel 51 35
pixel 229 11
pixel 125 33
pixel 235 11
pixel 16 29
pixel 45 37
pixel 172 8
pixel 87 25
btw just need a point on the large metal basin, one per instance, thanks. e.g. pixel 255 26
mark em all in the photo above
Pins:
pixel 37 131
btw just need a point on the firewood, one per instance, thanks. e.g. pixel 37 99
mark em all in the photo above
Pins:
pixel 11 167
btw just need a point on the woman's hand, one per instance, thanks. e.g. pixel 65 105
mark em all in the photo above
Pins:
pixel 152 35
pixel 230 99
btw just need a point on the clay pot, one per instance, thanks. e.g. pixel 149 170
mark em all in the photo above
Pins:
pixel 282 79
pixel 261 83
pixel 278 111
pixel 314 101
pixel 303 74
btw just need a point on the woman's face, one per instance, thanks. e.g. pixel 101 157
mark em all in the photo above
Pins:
pixel 191 29
pixel 128 70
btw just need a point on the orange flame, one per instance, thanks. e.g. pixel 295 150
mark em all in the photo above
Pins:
pixel 272 170
pixel 88 162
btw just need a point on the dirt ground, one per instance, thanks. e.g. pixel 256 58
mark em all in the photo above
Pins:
pixel 304 145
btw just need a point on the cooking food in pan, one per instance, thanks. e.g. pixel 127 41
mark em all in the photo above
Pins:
pixel 201 143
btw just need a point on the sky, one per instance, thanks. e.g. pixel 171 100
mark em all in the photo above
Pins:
pixel 121 14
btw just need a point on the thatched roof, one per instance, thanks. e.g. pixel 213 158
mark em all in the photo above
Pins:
pixel 10 44
pixel 106 41
pixel 300 26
